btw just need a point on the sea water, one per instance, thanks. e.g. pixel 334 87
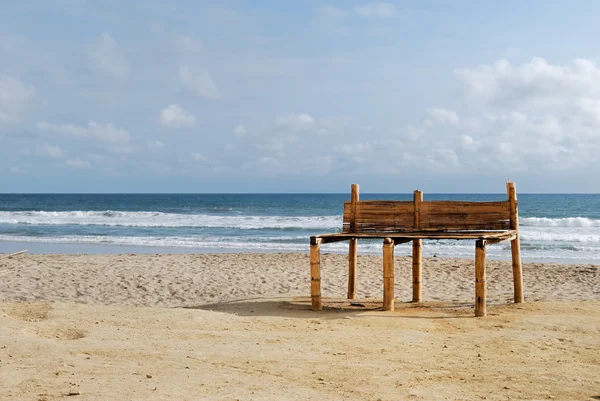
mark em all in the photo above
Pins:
pixel 554 227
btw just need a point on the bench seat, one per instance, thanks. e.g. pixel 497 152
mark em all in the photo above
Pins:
pixel 400 237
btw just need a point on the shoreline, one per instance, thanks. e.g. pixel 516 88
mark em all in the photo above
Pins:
pixel 40 248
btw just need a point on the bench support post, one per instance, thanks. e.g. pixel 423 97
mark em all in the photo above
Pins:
pixel 417 258
pixel 480 285
pixel 417 248
pixel 352 269
pixel 315 273
pixel 515 245
pixel 388 274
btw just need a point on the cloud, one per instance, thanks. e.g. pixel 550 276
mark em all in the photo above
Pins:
pixel 155 145
pixel 533 84
pixel 198 81
pixel 107 56
pixel 354 148
pixel 376 10
pixel 17 170
pixel 173 116
pixel 328 11
pixel 15 99
pixel 53 151
pixel 78 163
pixel 187 44
pixel 536 115
pixel 104 132
pixel 199 157
pixel 443 116
pixel 240 131
pixel 106 136
pixel 302 121
pixel 342 21
pixel 366 11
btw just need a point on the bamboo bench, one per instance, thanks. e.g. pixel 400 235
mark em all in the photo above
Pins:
pixel 399 222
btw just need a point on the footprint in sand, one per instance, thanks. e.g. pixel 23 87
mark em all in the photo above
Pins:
pixel 29 311
pixel 61 333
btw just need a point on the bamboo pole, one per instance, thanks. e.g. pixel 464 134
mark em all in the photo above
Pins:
pixel 354 204
pixel 388 274
pixel 352 263
pixel 352 252
pixel 315 273
pixel 480 285
pixel 515 244
pixel 417 257
pixel 417 246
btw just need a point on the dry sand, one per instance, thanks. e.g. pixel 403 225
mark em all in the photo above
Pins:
pixel 239 326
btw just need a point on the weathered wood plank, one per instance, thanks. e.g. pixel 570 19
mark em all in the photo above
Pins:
pixel 448 215
pixel 449 206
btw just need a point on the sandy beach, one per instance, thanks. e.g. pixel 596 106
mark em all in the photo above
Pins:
pixel 239 326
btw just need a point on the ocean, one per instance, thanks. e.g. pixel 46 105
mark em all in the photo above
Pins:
pixel 554 227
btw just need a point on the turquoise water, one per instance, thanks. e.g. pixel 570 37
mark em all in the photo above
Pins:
pixel 559 227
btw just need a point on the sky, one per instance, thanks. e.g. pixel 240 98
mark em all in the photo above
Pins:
pixel 311 96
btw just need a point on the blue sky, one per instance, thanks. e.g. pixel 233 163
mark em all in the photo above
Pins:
pixel 278 96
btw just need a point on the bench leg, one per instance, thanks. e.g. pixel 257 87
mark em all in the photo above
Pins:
pixel 416 269
pixel 480 285
pixel 352 269
pixel 515 247
pixel 388 274
pixel 315 273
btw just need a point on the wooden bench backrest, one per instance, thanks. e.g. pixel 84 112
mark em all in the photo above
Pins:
pixel 401 216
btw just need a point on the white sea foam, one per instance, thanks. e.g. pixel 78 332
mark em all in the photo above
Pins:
pixel 542 238
pixel 559 222
pixel 459 249
pixel 232 243
pixel 158 219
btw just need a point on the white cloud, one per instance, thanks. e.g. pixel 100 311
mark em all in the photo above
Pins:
pixel 173 116
pixel 444 116
pixel 104 132
pixel 199 81
pixel 15 98
pixel 534 84
pixel 354 148
pixel 52 150
pixel 187 44
pixel 376 10
pixel 107 56
pixel 339 20
pixel 107 136
pixel 513 118
pixel 17 170
pixel 155 144
pixel 240 131
pixel 328 11
pixel 78 163
pixel 302 121
pixel 67 129
pixel 199 157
